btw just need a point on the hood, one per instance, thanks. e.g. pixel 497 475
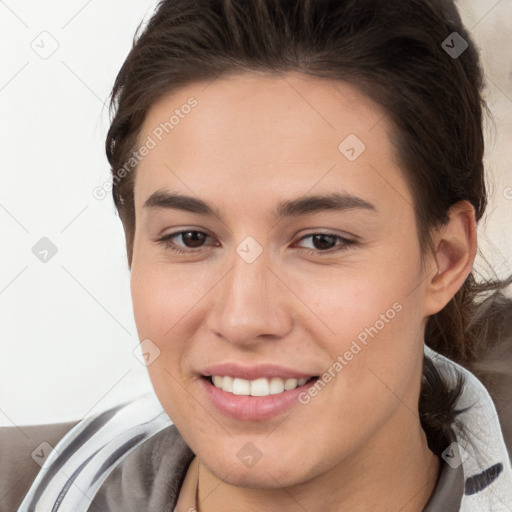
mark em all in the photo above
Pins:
pixel 480 448
pixel 83 459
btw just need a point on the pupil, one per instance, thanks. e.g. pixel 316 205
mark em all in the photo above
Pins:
pixel 195 237
pixel 323 238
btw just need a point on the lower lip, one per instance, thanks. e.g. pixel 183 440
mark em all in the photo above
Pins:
pixel 253 408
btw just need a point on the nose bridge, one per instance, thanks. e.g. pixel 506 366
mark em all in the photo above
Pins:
pixel 245 292
pixel 248 303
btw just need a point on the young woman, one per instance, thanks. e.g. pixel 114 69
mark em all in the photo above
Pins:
pixel 300 183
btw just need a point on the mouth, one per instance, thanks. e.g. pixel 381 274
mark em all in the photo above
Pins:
pixel 256 392
pixel 259 387
pixel 260 399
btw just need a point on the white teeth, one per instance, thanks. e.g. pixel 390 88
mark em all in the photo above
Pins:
pixel 241 387
pixel 290 384
pixel 258 387
pixel 227 384
pixel 276 386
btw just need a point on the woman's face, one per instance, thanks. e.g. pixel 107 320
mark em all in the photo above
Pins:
pixel 273 286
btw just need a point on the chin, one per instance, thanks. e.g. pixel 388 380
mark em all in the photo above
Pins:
pixel 272 473
pixel 256 478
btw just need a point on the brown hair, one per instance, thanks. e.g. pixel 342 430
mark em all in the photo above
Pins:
pixel 391 51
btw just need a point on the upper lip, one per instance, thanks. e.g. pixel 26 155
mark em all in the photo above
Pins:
pixel 236 370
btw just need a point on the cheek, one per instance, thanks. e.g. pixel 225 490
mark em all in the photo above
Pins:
pixel 160 302
pixel 371 324
pixel 352 301
pixel 161 296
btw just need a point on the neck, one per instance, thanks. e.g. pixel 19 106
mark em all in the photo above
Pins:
pixel 399 475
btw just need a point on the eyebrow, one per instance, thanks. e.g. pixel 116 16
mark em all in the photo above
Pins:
pixel 162 199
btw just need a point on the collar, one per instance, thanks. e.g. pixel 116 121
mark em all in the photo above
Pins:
pixel 479 454
pixel 83 459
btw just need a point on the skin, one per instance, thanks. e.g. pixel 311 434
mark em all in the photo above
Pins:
pixel 252 141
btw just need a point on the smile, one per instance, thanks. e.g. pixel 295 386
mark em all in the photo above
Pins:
pixel 259 399
pixel 258 387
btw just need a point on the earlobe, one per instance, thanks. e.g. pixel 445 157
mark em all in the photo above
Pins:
pixel 456 245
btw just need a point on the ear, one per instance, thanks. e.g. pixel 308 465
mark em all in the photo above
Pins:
pixel 456 245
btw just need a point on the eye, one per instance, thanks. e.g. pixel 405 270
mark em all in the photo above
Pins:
pixel 323 243
pixel 192 237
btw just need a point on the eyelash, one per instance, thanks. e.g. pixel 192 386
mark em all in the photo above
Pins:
pixel 165 241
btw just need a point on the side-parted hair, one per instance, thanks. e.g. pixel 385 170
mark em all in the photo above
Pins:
pixel 395 52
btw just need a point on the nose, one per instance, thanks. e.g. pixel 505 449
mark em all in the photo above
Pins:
pixel 251 304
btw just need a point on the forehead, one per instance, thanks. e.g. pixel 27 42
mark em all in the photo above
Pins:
pixel 267 133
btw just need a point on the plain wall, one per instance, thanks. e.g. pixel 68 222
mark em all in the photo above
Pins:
pixel 68 342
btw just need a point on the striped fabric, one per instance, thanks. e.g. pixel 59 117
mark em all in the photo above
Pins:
pixel 90 451
pixel 481 449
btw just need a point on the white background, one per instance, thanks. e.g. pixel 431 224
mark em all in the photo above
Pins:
pixel 67 335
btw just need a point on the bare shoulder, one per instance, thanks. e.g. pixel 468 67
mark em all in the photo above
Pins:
pixel 22 451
